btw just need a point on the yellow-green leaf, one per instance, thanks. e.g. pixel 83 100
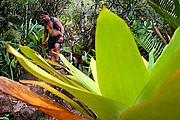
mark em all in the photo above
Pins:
pixel 163 105
pixel 160 77
pixel 168 52
pixel 37 59
pixel 37 71
pixel 93 69
pixel 99 104
pixel 120 69
pixel 89 83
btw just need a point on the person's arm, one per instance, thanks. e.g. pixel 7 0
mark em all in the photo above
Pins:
pixel 60 26
pixel 45 35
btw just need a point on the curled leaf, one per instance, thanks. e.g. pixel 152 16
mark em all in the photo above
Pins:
pixel 47 106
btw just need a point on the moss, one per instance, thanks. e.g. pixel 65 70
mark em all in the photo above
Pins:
pixel 12 34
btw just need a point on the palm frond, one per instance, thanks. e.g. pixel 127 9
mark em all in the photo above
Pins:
pixel 166 5
pixel 145 38
pixel 168 9
pixel 148 42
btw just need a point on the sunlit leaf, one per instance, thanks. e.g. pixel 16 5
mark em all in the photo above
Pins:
pixel 89 83
pixel 104 108
pixel 163 105
pixel 47 106
pixel 93 69
pixel 151 60
pixel 61 95
pixel 37 71
pixel 74 78
pixel 105 105
pixel 120 68
pixel 161 76
pixel 40 61
pixel 168 52
pixel 145 61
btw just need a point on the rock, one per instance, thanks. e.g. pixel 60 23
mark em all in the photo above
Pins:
pixel 5 104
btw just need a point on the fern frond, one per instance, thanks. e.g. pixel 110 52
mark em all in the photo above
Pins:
pixel 168 9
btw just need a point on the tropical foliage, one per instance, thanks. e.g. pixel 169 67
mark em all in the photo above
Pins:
pixel 122 85
pixel 145 37
pixel 168 9
pixel 79 19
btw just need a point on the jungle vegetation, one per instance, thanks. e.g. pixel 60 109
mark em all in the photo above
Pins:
pixel 133 41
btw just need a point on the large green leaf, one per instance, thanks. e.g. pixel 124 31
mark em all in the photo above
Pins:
pixel 162 75
pixel 99 104
pixel 165 66
pixel 164 104
pixel 168 52
pixel 120 68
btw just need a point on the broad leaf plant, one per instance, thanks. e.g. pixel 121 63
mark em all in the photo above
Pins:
pixel 122 87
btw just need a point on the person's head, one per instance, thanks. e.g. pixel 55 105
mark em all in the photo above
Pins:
pixel 45 15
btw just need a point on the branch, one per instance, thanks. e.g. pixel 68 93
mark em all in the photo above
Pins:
pixel 156 30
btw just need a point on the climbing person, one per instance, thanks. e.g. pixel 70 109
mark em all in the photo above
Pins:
pixel 55 30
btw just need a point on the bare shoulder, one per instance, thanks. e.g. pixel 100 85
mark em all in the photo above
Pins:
pixel 55 19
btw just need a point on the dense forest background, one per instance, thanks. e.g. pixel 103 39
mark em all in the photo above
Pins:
pixel 21 23
pixel 116 83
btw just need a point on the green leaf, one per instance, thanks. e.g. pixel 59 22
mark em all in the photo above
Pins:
pixel 99 104
pixel 161 76
pixel 145 62
pixel 164 104
pixel 169 18
pixel 32 28
pixel 177 8
pixel 93 69
pixel 168 52
pixel 89 83
pixel 120 69
pixel 98 101
pixel 151 60
pixel 41 62
pixel 105 108
pixel 37 71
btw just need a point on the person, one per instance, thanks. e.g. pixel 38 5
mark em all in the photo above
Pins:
pixel 55 30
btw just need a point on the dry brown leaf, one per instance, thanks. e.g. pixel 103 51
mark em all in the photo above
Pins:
pixel 45 105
